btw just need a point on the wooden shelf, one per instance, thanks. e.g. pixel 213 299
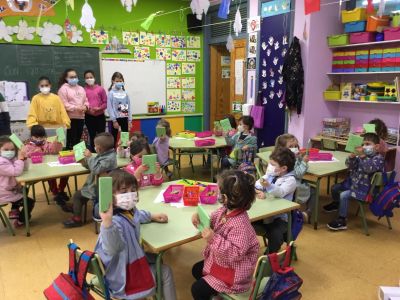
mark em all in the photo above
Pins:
pixel 366 44
pixel 364 73
pixel 364 102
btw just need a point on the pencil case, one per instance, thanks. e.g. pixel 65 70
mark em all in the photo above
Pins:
pixel 69 159
pixel 191 195
pixel 209 195
pixel 321 156
pixel 173 193
pixel 204 134
pixel 310 151
pixel 37 157
pixel 204 143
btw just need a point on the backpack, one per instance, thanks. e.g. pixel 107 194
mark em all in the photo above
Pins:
pixel 297 223
pixel 284 283
pixel 389 198
pixel 247 162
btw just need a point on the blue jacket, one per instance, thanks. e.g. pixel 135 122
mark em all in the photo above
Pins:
pixel 118 105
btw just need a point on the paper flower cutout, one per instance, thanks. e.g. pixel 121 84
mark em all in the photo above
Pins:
pixel 6 31
pixel 237 25
pixel 87 19
pixel 128 4
pixel 76 35
pixel 199 6
pixel 23 31
pixel 229 43
pixel 50 33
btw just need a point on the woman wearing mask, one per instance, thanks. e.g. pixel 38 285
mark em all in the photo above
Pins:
pixel 95 119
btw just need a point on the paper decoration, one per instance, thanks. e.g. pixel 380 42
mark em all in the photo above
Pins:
pixel 369 128
pixel 229 43
pixel 70 3
pixel 253 24
pixel 130 38
pixel 370 7
pixel 226 73
pixel 99 37
pixel 252 49
pixel 311 6
pixel 147 39
pixel 23 31
pixel 223 10
pixel 29 8
pixel 193 42
pixel 381 8
pixel 141 53
pixel 173 94
pixel 199 7
pixel 87 19
pixel 163 40
pixel 178 42
pixel 115 47
pixel 189 107
pixel 6 31
pixel 225 61
pixel 178 55
pixel 188 95
pixel 76 35
pixel 237 24
pixel 173 82
pixel 174 106
pixel 163 53
pixel 188 68
pixel 127 4
pixel 188 82
pixel 174 69
pixel 50 33
pixel 273 8
pixel 147 23
pixel 193 55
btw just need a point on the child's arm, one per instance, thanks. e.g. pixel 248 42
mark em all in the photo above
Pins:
pixel 63 94
pixel 103 100
pixel 232 140
pixel 12 169
pixel 372 165
pixel 97 166
pixel 110 108
pixel 352 161
pixel 252 142
pixel 64 116
pixel 111 235
pixel 288 187
pixel 32 115
pixel 144 216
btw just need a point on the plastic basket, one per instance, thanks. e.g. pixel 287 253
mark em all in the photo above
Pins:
pixel 355 15
pixel 173 193
pixel 374 22
pixel 338 40
pixel 186 135
pixel 69 159
pixel 321 156
pixel 37 157
pixel 204 142
pixel 355 26
pixel 204 134
pixel 391 34
pixel 191 195
pixel 209 195
pixel 66 153
pixel 332 95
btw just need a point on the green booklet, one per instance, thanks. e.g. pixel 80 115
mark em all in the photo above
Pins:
pixel 15 139
pixel 150 161
pixel 52 139
pixel 203 217
pixel 105 193
pixel 79 150
pixel 160 131
pixel 225 124
pixel 61 135
pixel 354 142
pixel 124 138
pixel 369 128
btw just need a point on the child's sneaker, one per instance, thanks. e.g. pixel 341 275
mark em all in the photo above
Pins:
pixel 331 207
pixel 73 222
pixel 13 214
pixel 61 197
pixel 18 224
pixel 306 217
pixel 338 224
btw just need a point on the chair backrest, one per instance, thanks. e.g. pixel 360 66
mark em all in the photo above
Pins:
pixel 266 149
pixel 329 144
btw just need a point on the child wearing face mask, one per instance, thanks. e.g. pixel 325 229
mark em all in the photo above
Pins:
pixel 119 105
pixel 280 182
pixel 125 152
pixel 130 271
pixel 46 108
pixel 362 167
pixel 232 247
pixel 95 119
pixel 76 104
pixel 161 145
pixel 11 166
pixel 138 148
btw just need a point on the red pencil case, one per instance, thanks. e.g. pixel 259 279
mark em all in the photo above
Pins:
pixel 204 134
pixel 204 142
pixel 321 156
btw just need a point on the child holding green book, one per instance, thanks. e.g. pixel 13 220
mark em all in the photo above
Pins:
pixel 161 144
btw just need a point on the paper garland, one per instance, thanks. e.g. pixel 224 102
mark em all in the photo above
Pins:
pixel 23 31
pixel 130 38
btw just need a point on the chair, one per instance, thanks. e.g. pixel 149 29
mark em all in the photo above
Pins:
pixel 260 278
pixel 266 149
pixel 5 220
pixel 261 164
pixel 169 163
pixel 191 154
pixel 332 145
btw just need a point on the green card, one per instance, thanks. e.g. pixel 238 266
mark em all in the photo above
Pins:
pixel 203 217
pixel 160 131
pixel 15 139
pixel 79 150
pixel 61 135
pixel 124 138
pixel 369 128
pixel 51 139
pixel 354 142
pixel 225 124
pixel 217 124
pixel 105 193
pixel 150 161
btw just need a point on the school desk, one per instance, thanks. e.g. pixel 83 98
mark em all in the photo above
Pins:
pixel 179 230
pixel 319 170
pixel 41 172
pixel 182 144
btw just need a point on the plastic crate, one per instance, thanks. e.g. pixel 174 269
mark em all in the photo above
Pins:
pixel 332 95
pixel 374 22
pixel 191 195
pixel 204 142
pixel 324 156
pixel 37 157
pixel 65 160
pixel 362 37
pixel 209 195
pixel 338 40
pixel 391 34
pixel 173 193
pixel 186 134
pixel 355 15
pixel 204 134
pixel 66 153
pixel 355 26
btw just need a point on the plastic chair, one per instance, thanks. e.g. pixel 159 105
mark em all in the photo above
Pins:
pixel 5 220
pixel 332 145
pixel 266 149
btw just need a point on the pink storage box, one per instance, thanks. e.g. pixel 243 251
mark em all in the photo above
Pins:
pixel 321 156
pixel 173 193
pixel 37 157
pixel 204 142
pixel 392 34
pixel 69 159
pixel 209 195
pixel 204 134
pixel 218 132
pixel 362 37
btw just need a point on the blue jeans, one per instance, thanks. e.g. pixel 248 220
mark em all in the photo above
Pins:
pixel 341 195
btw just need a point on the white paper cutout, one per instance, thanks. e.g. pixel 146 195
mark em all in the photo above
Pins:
pixel 229 43
pixel 264 46
pixel 23 31
pixel 87 19
pixel 50 33
pixel 128 4
pixel 199 6
pixel 271 95
pixel 76 35
pixel 237 24
pixel 381 8
pixel 6 31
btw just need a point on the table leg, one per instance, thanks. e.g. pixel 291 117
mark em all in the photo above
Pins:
pixel 211 165
pixel 316 204
pixel 76 182
pixel 289 224
pixel 174 158
pixel 25 192
pixel 159 294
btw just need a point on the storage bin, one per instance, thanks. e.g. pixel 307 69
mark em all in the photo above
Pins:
pixel 209 195
pixel 66 153
pixel 396 21
pixel 191 195
pixel 332 95
pixel 355 26
pixel 37 157
pixel 391 34
pixel 204 134
pixel 186 135
pixel 321 156
pixel 204 142
pixel 358 14
pixel 338 40
pixel 69 159
pixel 173 193
pixel 374 22
pixel 362 37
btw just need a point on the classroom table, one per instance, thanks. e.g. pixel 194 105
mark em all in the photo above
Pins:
pixel 42 172
pixel 179 230
pixel 178 143
pixel 319 170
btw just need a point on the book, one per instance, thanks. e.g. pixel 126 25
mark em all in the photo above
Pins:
pixel 79 150
pixel 225 124
pixel 52 139
pixel 105 193
pixel 160 131
pixel 124 136
pixel 369 128
pixel 15 139
pixel 203 217
pixel 353 142
pixel 61 135
pixel 150 161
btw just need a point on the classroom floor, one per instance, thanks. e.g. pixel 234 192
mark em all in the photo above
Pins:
pixel 333 265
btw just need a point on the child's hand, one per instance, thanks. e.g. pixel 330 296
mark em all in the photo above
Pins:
pixel 306 158
pixel 264 183
pixel 159 218
pixel 21 154
pixel 83 108
pixel 195 220
pixel 352 155
pixel 158 169
pixel 245 148
pixel 115 125
pixel 106 217
pixel 260 194
pixel 87 153
pixel 207 234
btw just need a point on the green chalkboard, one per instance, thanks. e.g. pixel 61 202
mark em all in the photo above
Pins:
pixel 29 62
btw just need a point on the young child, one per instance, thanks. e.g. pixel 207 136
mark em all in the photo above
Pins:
pixel 280 182
pixel 119 246
pixel 234 126
pixel 242 140
pixel 38 143
pixel 162 145
pixel 12 165
pixel 104 161
pixel 139 148
pixel 361 167
pixel 232 246
pixel 119 105
pixel 382 132
pixel 95 119
pixel 124 152
pixel 76 104
pixel 46 108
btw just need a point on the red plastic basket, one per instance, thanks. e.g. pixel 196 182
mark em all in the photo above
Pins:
pixel 173 193
pixel 310 151
pixel 37 157
pixel 69 159
pixel 204 134
pixel 209 195
pixel 191 195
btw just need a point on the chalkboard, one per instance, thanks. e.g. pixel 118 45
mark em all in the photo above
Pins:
pixel 29 62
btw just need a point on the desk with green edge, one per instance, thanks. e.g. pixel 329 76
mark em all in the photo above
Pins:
pixel 319 170
pixel 178 143
pixel 179 230
pixel 42 171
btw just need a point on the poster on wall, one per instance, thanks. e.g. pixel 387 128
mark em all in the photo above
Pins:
pixel 252 50
pixel 253 24
pixel 274 8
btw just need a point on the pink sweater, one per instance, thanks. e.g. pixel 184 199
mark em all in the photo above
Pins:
pixel 47 148
pixel 73 97
pixel 146 180
pixel 97 97
pixel 9 191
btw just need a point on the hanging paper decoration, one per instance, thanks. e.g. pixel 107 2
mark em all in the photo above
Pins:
pixel 23 31
pixel 99 37
pixel 199 7
pixel 50 33
pixel 67 29
pixel 147 23
pixel 370 8
pixel 237 25
pixel 311 6
pixel 76 35
pixel 70 3
pixel 223 11
pixel 6 31
pixel 128 4
pixel 381 8
pixel 229 43
pixel 87 19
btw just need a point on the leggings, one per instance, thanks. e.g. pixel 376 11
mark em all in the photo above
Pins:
pixel 74 134
pixel 95 125
pixel 201 290
pixel 123 123
pixel 20 203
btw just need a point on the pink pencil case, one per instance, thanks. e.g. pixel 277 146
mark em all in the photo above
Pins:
pixel 321 156
pixel 209 195
pixel 173 193
pixel 37 157
pixel 204 134
pixel 204 143
pixel 69 159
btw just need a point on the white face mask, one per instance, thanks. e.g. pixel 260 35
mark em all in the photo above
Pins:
pixel 295 150
pixel 45 90
pixel 127 201
pixel 271 170
pixel 90 81
pixel 9 154
pixel 240 128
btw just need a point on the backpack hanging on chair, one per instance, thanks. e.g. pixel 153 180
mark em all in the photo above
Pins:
pixel 247 162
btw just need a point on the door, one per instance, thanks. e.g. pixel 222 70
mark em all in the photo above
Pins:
pixel 238 70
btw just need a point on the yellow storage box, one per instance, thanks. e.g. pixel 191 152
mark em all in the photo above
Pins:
pixel 355 15
pixel 332 95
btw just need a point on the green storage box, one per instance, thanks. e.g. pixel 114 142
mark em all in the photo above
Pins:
pixel 338 40
pixel 332 95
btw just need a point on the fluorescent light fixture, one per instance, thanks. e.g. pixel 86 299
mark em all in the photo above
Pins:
pixel 376 1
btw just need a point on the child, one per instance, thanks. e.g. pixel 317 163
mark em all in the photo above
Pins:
pixel 280 182
pixel 382 132
pixel 38 143
pixel 129 275
pixel 125 152
pixel 361 167
pixel 46 108
pixel 104 161
pixel 243 140
pixel 232 246
pixel 12 165
pixel 232 120
pixel 139 148
pixel 161 145
pixel 76 104
pixel 119 105
pixel 95 119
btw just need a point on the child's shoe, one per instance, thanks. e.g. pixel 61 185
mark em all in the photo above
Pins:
pixel 61 197
pixel 73 222
pixel 13 214
pixel 306 217
pixel 331 207
pixel 338 224
pixel 18 224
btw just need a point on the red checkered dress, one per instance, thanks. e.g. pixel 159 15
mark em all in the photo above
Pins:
pixel 231 256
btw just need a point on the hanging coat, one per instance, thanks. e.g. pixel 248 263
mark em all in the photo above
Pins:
pixel 5 128
pixel 293 75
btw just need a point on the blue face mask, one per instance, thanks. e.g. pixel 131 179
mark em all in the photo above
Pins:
pixel 119 85
pixel 73 81
pixel 9 154
pixel 38 143
pixel 369 150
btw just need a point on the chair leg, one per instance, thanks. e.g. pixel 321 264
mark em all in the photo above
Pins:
pixel 264 240
pixel 358 211
pixel 69 190
pixel 389 223
pixel 7 222
pixel 294 253
pixel 96 227
pixel 363 218
pixel 45 192
pixel 84 213
pixel 191 162
pixel 2 220
pixel 33 191
pixel 328 185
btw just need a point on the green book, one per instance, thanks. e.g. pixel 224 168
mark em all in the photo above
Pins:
pixel 15 139
pixel 79 150
pixel 105 193
pixel 225 124
pixel 61 135
pixel 369 128
pixel 203 217
pixel 150 161
pixel 217 124
pixel 52 139
pixel 160 131
pixel 124 138
pixel 354 142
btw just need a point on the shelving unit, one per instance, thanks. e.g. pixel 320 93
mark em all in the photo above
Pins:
pixel 364 102
pixel 363 73
pixel 366 44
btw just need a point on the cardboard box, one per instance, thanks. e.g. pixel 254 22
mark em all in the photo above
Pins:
pixel 388 292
